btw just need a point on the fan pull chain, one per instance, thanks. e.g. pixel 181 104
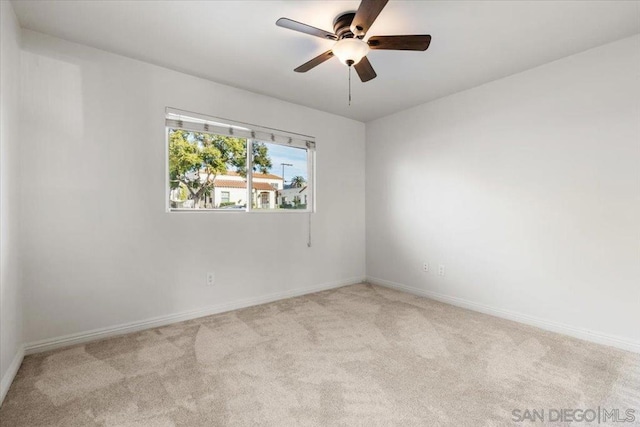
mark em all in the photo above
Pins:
pixel 349 85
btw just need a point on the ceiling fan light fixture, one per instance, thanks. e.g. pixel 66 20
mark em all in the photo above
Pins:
pixel 350 51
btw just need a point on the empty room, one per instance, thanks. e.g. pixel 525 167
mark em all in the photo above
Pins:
pixel 319 213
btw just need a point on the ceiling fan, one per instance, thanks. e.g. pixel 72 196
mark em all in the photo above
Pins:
pixel 349 31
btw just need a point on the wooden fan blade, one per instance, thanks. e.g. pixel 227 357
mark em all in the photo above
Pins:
pixel 314 62
pixel 365 70
pixel 420 42
pixel 304 28
pixel 367 12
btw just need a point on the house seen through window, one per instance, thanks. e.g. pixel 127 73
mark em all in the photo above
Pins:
pixel 218 166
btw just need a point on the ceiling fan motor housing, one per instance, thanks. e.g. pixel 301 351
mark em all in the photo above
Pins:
pixel 342 25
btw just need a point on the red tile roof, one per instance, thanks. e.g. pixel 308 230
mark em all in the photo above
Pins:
pixel 229 183
pixel 263 186
pixel 256 175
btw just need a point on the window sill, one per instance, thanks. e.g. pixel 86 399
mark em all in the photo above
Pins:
pixel 255 211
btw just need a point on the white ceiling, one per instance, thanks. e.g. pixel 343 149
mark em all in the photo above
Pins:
pixel 238 43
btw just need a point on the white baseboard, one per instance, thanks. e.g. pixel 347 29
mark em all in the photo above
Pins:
pixel 97 334
pixel 8 377
pixel 581 333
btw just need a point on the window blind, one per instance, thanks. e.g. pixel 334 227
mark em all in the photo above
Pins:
pixel 178 119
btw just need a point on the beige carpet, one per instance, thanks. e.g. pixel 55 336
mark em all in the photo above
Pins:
pixel 356 356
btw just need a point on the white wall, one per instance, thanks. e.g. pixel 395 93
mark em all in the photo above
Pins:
pixel 98 247
pixel 10 292
pixel 527 189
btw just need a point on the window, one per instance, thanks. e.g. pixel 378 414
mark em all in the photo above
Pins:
pixel 218 165
pixel 289 175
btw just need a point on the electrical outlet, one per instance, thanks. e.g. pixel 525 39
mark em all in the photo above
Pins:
pixel 425 267
pixel 211 279
pixel 441 270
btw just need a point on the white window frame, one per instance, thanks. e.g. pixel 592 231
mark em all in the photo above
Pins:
pixel 222 193
pixel 267 135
